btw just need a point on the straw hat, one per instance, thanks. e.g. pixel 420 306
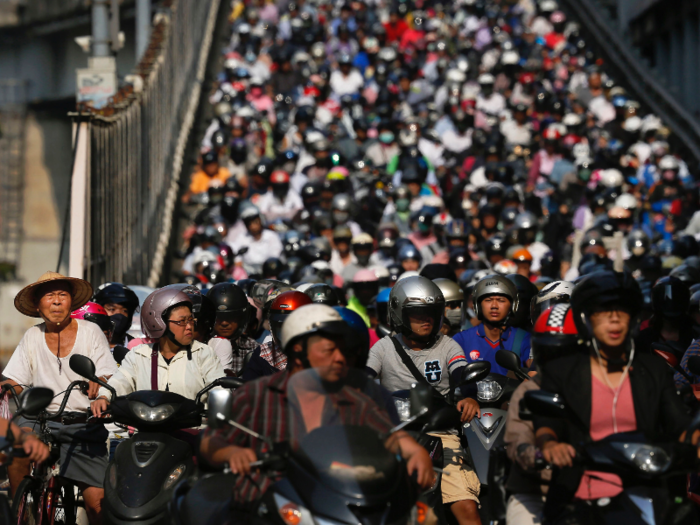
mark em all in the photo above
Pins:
pixel 25 302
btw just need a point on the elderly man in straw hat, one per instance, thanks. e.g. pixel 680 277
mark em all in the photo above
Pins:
pixel 42 359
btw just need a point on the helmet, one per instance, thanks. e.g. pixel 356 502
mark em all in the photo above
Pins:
pixel 605 288
pixel 495 285
pixel 382 301
pixel 552 293
pixel 342 202
pixel 229 298
pixel 554 333
pixel 342 232
pixel 522 255
pixel 638 243
pixel 272 267
pixel 416 295
pixel 526 291
pixel 669 162
pixel 626 201
pixel 157 306
pixel 495 245
pixel 505 267
pixel 611 178
pixel 408 251
pixel 94 313
pixel 454 301
pixel 322 293
pixel 117 293
pixel 525 221
pixel 457 229
pixel 360 330
pixel 670 297
pixel 202 308
pixel 687 274
pixel 311 319
pixel 283 305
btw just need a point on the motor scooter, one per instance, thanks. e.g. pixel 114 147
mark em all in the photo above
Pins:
pixel 146 467
pixel 339 472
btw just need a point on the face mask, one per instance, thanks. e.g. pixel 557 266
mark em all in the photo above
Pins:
pixel 121 325
pixel 454 317
pixel 341 217
pixel 638 251
pixel 402 205
pixel 362 259
pixel 386 137
pixel 280 190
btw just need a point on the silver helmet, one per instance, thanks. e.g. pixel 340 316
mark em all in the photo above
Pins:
pixel 153 323
pixel 414 295
pixel 495 285
pixel 450 290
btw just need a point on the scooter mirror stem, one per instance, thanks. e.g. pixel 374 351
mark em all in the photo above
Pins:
pixel 253 433
pixel 408 421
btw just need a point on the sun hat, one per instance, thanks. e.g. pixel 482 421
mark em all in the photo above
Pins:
pixel 25 302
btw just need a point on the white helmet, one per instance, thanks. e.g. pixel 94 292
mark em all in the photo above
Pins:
pixel 304 286
pixel 510 58
pixel 571 119
pixel 455 76
pixel 553 293
pixel 405 275
pixel 668 162
pixel 626 201
pixel 611 178
pixel 311 319
pixel 486 78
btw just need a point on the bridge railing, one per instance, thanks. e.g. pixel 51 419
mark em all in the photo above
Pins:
pixel 136 148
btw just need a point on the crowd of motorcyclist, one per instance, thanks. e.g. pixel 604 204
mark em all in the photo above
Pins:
pixel 406 188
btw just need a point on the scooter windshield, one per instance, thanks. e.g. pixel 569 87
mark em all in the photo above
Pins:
pixel 341 430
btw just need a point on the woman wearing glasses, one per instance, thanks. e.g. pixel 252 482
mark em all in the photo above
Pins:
pixel 176 362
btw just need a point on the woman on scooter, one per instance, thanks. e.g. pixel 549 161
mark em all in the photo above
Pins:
pixel 184 366
pixel 606 394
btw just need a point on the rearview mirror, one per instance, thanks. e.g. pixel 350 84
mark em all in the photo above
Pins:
pixel 220 404
pixel 474 372
pixel 229 382
pixel 694 365
pixel 542 403
pixel 83 366
pixel 511 361
pixel 34 400
pixel 444 419
pixel 421 397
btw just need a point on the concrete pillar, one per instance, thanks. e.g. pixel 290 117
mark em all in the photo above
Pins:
pixel 143 27
pixel 79 202
pixel 100 28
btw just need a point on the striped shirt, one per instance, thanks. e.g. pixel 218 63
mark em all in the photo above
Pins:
pixel 263 406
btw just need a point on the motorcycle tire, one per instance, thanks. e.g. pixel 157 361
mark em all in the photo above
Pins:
pixel 25 505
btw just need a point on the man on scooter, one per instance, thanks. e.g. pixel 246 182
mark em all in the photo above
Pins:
pixel 313 336
pixel 495 300
pixel 419 352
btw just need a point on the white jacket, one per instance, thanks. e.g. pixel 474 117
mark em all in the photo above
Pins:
pixel 182 376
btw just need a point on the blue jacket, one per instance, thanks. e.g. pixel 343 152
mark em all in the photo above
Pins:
pixel 477 347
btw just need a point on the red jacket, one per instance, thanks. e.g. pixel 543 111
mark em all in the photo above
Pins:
pixel 394 32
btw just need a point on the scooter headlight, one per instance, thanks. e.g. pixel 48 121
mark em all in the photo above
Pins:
pixel 175 475
pixel 403 408
pixel 488 390
pixel 649 459
pixel 152 414
pixel 292 513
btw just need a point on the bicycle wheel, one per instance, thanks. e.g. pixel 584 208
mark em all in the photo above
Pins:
pixel 61 508
pixel 25 505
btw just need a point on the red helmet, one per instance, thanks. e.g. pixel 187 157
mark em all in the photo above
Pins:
pixel 283 305
pixel 94 313
pixel 555 333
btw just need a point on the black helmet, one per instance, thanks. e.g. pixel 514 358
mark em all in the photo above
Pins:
pixel 605 288
pixel 117 293
pixel 322 293
pixel 670 297
pixel 496 245
pixel 272 267
pixel 229 299
pixel 246 285
pixel 526 291
pixel 202 308
pixel 689 274
pixel 638 243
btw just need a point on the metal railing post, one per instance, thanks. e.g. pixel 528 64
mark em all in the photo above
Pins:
pixel 79 200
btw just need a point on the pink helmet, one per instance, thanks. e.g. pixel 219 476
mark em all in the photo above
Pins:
pixel 94 313
pixel 152 322
pixel 365 276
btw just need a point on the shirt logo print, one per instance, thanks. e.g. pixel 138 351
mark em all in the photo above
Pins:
pixel 474 354
pixel 433 372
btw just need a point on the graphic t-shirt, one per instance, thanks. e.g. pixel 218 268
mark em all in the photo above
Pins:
pixel 436 363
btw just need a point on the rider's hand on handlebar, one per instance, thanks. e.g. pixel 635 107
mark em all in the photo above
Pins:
pixel 468 408
pixel 35 449
pixel 93 390
pixel 98 406
pixel 560 454
pixel 240 459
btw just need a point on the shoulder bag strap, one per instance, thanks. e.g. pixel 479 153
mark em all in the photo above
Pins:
pixel 154 368
pixel 408 362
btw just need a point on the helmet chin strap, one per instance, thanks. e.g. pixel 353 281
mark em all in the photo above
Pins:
pixel 180 346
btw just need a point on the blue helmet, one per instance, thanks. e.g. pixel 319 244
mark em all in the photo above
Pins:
pixel 382 301
pixel 357 324
pixel 408 251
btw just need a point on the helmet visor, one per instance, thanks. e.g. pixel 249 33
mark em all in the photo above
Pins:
pixel 424 321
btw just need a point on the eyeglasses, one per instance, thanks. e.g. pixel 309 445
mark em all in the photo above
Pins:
pixel 185 322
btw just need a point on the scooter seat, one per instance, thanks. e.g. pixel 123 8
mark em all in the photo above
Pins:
pixel 208 498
